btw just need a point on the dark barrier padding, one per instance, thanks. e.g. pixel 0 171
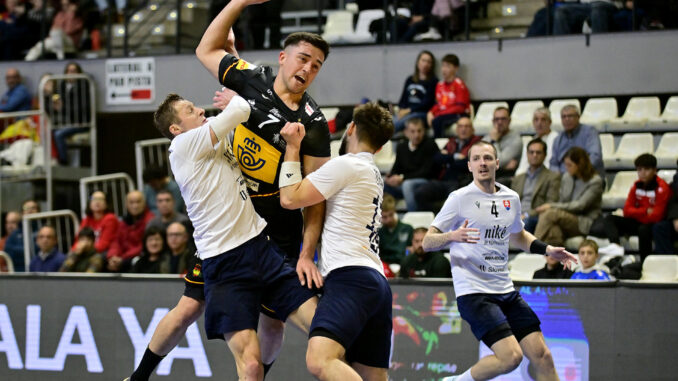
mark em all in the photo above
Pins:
pixel 82 328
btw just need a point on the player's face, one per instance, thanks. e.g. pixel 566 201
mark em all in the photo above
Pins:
pixel 646 174
pixel 299 64
pixel 541 123
pixel 154 244
pixel 464 128
pixel 535 155
pixel 587 256
pixel 482 162
pixel 190 116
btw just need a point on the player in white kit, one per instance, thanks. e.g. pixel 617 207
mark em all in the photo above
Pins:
pixel 242 267
pixel 353 318
pixel 476 223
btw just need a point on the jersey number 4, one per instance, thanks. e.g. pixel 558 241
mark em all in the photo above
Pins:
pixel 494 211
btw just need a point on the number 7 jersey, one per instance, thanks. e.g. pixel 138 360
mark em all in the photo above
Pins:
pixel 257 143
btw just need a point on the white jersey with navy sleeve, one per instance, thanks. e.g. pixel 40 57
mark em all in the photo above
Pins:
pixel 354 190
pixel 214 191
pixel 481 267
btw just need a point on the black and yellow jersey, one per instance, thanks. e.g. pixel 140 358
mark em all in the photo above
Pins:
pixel 257 143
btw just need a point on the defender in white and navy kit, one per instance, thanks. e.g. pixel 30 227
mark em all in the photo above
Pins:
pixel 353 317
pixel 241 266
pixel 476 223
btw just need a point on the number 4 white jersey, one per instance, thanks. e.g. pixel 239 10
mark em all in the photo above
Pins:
pixel 214 191
pixel 481 267
pixel 354 190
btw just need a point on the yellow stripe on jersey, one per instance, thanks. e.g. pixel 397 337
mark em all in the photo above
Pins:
pixel 268 309
pixel 192 281
pixel 265 195
pixel 223 78
pixel 257 158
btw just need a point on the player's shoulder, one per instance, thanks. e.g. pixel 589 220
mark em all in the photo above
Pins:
pixel 312 113
pixel 506 191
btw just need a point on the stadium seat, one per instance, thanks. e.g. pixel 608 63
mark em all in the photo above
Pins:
pixel 385 157
pixel 339 25
pixel 630 147
pixel 668 121
pixel 6 261
pixel 616 196
pixel 638 112
pixel 607 148
pixel 572 243
pixel 482 123
pixel 522 167
pixel 523 266
pixel 667 150
pixel 362 33
pixel 667 174
pixel 441 142
pixel 555 106
pixel 660 268
pixel 418 219
pixel 329 112
pixel 598 111
pixel 334 148
pixel 521 116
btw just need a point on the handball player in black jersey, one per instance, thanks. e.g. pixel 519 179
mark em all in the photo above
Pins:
pixel 259 148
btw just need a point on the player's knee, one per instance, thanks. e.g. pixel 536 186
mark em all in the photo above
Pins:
pixel 542 359
pixel 511 360
pixel 315 364
pixel 188 313
pixel 252 369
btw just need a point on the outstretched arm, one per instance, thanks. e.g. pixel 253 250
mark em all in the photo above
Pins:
pixel 294 192
pixel 529 243
pixel 214 43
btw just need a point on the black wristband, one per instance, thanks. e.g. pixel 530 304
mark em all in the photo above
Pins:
pixel 538 247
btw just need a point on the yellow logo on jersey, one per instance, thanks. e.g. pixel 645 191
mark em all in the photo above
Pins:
pixel 244 65
pixel 257 158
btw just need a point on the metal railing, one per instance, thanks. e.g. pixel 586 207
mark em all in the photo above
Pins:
pixel 64 222
pixel 115 186
pixel 151 152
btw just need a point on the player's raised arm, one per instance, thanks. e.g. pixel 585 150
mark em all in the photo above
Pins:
pixel 295 193
pixel 215 42
pixel 527 242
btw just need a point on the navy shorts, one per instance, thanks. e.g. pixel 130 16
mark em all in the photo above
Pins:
pixel 239 281
pixel 495 316
pixel 355 311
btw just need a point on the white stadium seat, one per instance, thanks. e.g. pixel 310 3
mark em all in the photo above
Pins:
pixel 667 174
pixel 668 121
pixel 339 25
pixel 334 148
pixel 621 185
pixel 667 150
pixel 329 112
pixel 607 148
pixel 385 157
pixel 638 112
pixel 441 142
pixel 631 146
pixel 660 268
pixel 555 106
pixel 521 116
pixel 482 122
pixel 522 167
pixel 418 219
pixel 523 266
pixel 598 111
pixel 362 33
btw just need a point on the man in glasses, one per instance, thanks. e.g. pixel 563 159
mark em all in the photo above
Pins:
pixel 507 142
pixel 576 134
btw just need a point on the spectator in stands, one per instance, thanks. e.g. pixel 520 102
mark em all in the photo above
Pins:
pixel 419 22
pixel 507 142
pixel 14 27
pixel 40 18
pixel 65 34
pixel 265 16
pixel 420 264
pixel 575 134
pixel 569 17
pixel 48 258
pixel 154 258
pixel 553 269
pixel 12 222
pixel 71 109
pixel 452 97
pixel 581 191
pixel 537 186
pixel 645 206
pixel 394 236
pixel 14 246
pixel 101 220
pixel 156 179
pixel 17 97
pixel 83 257
pixel 541 122
pixel 588 259
pixel 419 91
pixel 167 213
pixel 128 242
pixel 180 247
pixel 454 172
pixel 414 164
pixel 665 233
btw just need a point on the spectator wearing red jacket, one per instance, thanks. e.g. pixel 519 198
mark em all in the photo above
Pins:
pixel 452 97
pixel 101 220
pixel 128 242
pixel 645 206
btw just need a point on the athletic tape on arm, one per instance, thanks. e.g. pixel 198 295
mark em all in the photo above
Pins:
pixel 236 112
pixel 290 173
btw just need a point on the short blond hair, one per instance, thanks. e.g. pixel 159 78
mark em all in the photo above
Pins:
pixel 389 203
